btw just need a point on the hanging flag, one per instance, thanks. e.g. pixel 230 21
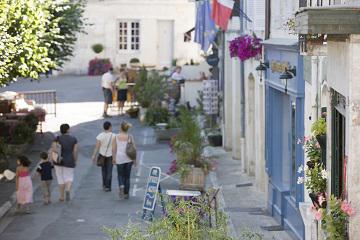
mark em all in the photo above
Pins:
pixel 221 12
pixel 205 30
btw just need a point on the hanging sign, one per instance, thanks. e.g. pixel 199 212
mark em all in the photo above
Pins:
pixel 212 60
pixel 152 189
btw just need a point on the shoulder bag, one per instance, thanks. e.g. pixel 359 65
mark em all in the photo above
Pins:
pixel 130 148
pixel 101 159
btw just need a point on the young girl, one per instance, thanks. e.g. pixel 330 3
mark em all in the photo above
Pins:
pixel 24 189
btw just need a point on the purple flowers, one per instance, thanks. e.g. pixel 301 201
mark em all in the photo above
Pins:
pixel 99 66
pixel 172 168
pixel 245 47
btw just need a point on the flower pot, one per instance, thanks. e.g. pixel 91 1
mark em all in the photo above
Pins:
pixel 215 140
pixel 166 134
pixel 194 180
pixel 17 149
pixel 133 113
pixel 322 142
pixel 142 113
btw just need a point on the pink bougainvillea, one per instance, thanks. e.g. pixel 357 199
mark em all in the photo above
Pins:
pixel 245 47
pixel 99 66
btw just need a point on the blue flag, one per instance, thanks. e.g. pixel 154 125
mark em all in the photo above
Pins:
pixel 205 30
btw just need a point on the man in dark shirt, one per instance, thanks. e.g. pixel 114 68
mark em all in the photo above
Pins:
pixel 69 153
pixel 45 170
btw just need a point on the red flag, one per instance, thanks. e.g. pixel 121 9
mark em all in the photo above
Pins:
pixel 221 12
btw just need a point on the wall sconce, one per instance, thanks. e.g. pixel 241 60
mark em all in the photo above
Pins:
pixel 262 68
pixel 289 73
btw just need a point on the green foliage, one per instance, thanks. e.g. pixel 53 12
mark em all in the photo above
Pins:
pixel 316 178
pixel 66 17
pixel 134 60
pixel 23 48
pixel 184 220
pixel 319 127
pixel 36 36
pixel 248 234
pixel 150 88
pixel 156 115
pixel 312 149
pixel 97 48
pixel 334 220
pixel 173 62
pixel 172 123
pixel 32 122
pixel 22 133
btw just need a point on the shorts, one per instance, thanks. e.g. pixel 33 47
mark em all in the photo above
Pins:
pixel 122 95
pixel 107 95
pixel 64 174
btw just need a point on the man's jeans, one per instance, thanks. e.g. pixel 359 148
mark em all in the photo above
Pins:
pixel 107 172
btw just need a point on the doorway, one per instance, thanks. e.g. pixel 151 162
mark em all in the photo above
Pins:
pixel 165 42
pixel 338 149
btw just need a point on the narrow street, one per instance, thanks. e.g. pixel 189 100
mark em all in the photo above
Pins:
pixel 90 208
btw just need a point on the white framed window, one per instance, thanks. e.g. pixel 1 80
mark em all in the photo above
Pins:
pixel 129 35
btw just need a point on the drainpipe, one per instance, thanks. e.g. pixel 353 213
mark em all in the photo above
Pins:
pixel 242 98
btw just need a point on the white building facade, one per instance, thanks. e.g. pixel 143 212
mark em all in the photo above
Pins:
pixel 150 30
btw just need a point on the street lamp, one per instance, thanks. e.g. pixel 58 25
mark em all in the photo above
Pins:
pixel 289 73
pixel 262 68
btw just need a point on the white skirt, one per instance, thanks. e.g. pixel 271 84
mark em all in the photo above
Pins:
pixel 64 174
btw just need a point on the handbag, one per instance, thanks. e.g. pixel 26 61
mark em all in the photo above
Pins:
pixel 130 148
pixel 55 153
pixel 101 159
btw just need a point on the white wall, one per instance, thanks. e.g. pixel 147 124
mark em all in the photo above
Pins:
pixel 103 15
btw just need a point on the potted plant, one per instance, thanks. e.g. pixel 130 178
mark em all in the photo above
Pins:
pixel 214 137
pixel 188 146
pixel 168 130
pixel 133 112
pixel 134 62
pixel 245 47
pixel 155 115
pixel 319 131
pixel 149 90
pixel 97 48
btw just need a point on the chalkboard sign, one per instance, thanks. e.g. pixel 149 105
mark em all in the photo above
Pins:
pixel 152 189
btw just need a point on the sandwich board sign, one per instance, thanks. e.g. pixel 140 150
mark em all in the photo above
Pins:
pixel 152 190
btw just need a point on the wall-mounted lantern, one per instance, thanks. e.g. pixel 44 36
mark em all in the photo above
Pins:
pixel 262 68
pixel 289 73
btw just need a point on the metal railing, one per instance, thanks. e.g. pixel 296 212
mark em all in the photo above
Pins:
pixel 45 99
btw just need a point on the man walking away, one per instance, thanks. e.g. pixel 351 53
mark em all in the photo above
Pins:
pixel 107 84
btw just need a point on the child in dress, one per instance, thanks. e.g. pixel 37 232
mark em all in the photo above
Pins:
pixel 24 189
pixel 45 171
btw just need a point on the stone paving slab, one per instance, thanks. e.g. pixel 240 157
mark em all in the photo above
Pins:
pixel 244 204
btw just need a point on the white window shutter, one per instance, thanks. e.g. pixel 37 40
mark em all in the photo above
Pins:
pixel 259 15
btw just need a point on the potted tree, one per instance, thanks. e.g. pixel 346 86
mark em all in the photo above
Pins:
pixel 188 146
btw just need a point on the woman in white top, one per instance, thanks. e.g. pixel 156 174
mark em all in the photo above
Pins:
pixel 122 161
pixel 104 147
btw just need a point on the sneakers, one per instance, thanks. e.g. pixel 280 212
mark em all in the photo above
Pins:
pixel 126 196
pixel 67 196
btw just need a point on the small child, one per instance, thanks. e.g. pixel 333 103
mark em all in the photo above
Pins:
pixel 24 188
pixel 44 169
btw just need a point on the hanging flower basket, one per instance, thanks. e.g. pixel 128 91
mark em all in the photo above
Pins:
pixel 245 47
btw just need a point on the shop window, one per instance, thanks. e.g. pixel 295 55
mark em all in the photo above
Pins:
pixel 129 35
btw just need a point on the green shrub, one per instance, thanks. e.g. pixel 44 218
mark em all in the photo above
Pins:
pixel 97 48
pixel 156 115
pixel 134 60
pixel 150 88
pixel 319 127
pixel 32 121
pixel 184 220
pixel 22 133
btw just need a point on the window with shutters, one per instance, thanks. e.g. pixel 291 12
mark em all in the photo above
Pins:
pixel 129 35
